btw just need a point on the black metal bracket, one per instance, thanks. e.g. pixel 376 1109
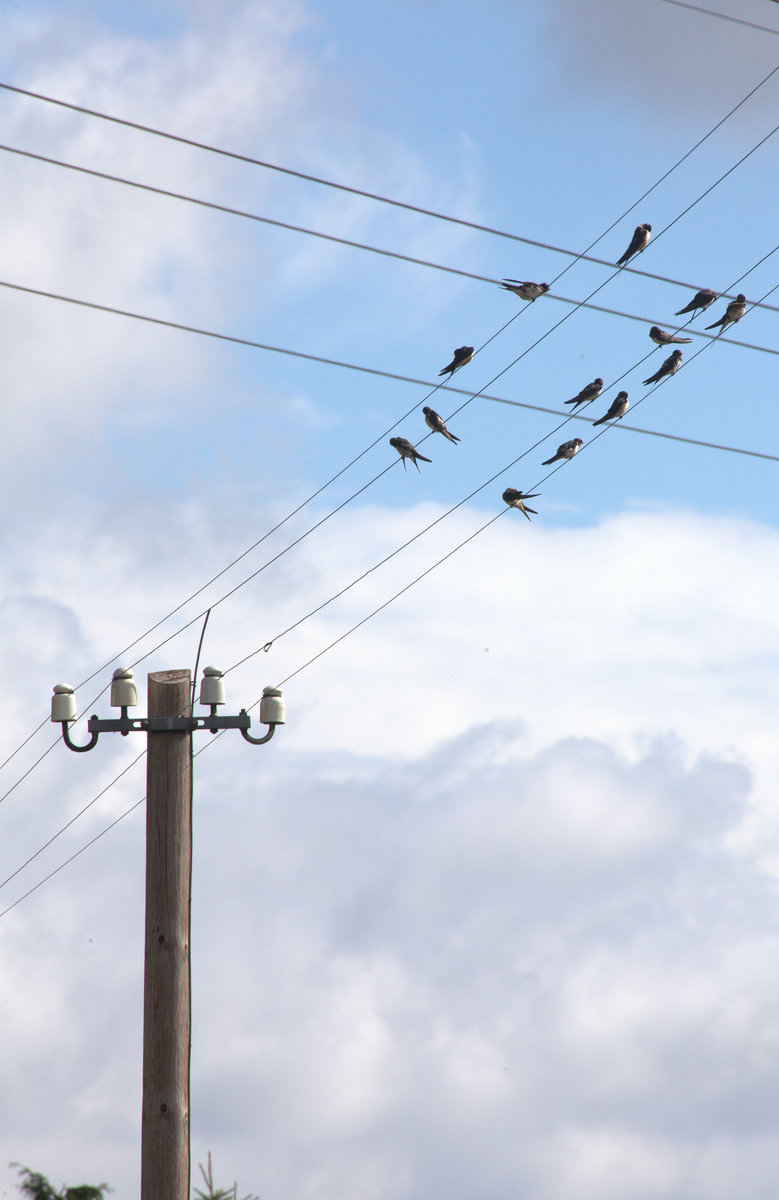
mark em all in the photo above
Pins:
pixel 124 725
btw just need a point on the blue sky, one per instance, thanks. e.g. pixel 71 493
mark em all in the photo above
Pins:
pixel 505 881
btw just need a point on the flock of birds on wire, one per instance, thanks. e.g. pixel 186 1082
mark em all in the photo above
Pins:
pixel 531 291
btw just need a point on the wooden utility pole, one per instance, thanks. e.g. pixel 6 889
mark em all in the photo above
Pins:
pixel 166 1006
pixel 166 982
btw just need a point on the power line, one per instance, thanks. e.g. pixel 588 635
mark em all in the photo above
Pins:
pixel 317 358
pixel 686 210
pixel 349 242
pixel 365 246
pixel 443 516
pixel 31 768
pixel 571 313
pixel 482 391
pixel 566 300
pixel 391 600
pixel 729 171
pixel 499 399
pixel 350 366
pixel 256 162
pixel 616 272
pixel 21 745
pixel 67 861
pixel 723 16
pixel 375 196
pixel 176 325
pixel 460 391
pixel 347 633
pixel 294 673
pixel 72 820
pixel 471 396
pixel 614 312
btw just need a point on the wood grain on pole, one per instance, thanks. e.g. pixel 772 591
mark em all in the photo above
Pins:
pixel 166 1009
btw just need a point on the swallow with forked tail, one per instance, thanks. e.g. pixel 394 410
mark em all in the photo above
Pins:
pixel 661 338
pixel 734 312
pixel 619 406
pixel 516 499
pixel 669 367
pixel 700 300
pixel 638 242
pixel 406 450
pixel 460 357
pixel 436 423
pixel 526 290
pixel 567 450
pixel 588 393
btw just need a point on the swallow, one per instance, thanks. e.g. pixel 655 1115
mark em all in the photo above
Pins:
pixel 638 242
pixel 661 338
pixel 460 357
pixel 406 450
pixel 516 499
pixel 669 367
pixel 436 423
pixel 619 406
pixel 526 290
pixel 567 450
pixel 590 392
pixel 734 312
pixel 701 299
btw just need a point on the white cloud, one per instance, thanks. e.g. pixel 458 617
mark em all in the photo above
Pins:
pixel 534 902
pixel 492 913
pixel 89 393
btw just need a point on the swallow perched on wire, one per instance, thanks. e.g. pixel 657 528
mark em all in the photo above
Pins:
pixel 638 242
pixel 436 423
pixel 619 406
pixel 526 290
pixel 516 499
pixel 734 312
pixel 590 392
pixel 669 367
pixel 661 338
pixel 460 357
pixel 567 450
pixel 700 300
pixel 406 450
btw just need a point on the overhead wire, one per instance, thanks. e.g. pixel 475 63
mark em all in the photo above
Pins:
pixel 301 354
pixel 338 640
pixel 577 256
pixel 613 274
pixel 419 382
pixel 254 574
pixel 496 398
pixel 424 383
pixel 72 857
pixel 72 820
pixel 375 196
pixel 466 541
pixel 309 662
pixel 443 516
pixel 413 208
pixel 723 16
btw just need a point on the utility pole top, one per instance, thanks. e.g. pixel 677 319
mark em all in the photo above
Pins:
pixel 124 695
pixel 167 994
pixel 174 676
